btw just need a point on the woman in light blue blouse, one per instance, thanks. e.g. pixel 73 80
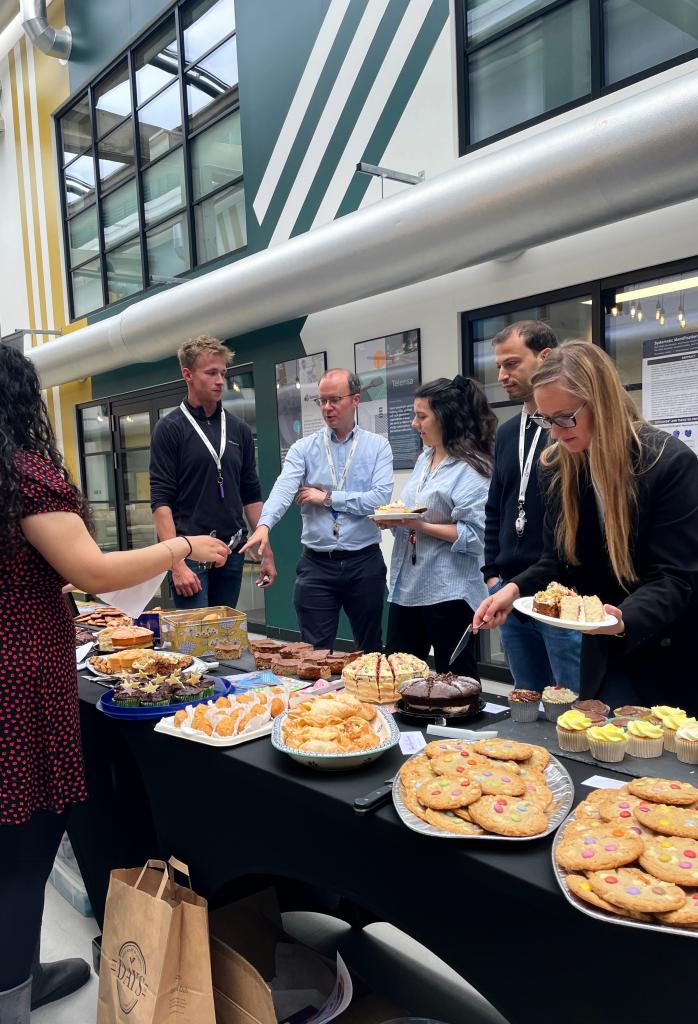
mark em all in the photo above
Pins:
pixel 435 578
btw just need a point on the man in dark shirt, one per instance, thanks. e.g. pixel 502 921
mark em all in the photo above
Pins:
pixel 203 478
pixel 538 655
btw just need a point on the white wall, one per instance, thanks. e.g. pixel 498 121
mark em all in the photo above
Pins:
pixel 13 295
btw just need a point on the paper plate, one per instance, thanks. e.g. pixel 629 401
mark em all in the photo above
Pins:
pixel 525 605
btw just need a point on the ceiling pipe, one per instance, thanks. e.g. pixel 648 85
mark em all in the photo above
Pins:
pixel 51 41
pixel 624 159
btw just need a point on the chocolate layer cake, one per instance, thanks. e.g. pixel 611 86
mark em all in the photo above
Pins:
pixel 447 692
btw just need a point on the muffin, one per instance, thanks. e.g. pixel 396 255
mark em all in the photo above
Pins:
pixel 632 711
pixel 670 723
pixel 572 730
pixel 153 696
pixel 593 709
pixel 644 738
pixel 686 740
pixel 557 699
pixel 524 705
pixel 125 695
pixel 607 742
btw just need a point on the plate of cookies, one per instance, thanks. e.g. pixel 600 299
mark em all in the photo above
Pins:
pixel 334 732
pixel 630 856
pixel 487 789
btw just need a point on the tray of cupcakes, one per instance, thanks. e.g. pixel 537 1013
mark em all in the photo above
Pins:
pixel 629 856
pixel 142 696
pixel 488 789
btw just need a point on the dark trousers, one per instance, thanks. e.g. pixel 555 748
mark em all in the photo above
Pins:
pixel 218 586
pixel 324 586
pixel 27 853
pixel 415 629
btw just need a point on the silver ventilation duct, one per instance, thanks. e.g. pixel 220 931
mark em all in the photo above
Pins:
pixel 632 156
pixel 51 41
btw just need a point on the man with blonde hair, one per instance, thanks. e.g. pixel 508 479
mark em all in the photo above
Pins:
pixel 203 478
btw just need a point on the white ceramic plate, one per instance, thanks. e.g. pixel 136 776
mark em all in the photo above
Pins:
pixel 198 666
pixel 525 605
pixel 383 724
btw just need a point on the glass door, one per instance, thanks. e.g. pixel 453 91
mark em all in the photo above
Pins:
pixel 132 433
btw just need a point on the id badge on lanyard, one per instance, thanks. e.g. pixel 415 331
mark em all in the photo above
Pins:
pixel 216 456
pixel 337 485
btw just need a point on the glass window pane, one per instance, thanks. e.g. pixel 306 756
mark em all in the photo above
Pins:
pixel 112 99
pixel 76 131
pixel 160 124
pixel 220 224
pixel 120 213
pixel 99 478
pixel 570 318
pixel 134 432
pixel 140 530
pixel 106 535
pixel 530 71
pixel 124 271
pixel 211 83
pixel 168 250
pixel 83 235
pixel 136 476
pixel 665 309
pixel 96 430
pixel 87 288
pixel 216 156
pixel 485 17
pixel 205 22
pixel 116 156
pixel 156 61
pixel 80 182
pixel 163 187
pixel 639 35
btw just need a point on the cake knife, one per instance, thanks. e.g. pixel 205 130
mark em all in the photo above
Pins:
pixel 462 644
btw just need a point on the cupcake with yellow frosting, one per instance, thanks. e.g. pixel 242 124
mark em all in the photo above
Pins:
pixel 607 742
pixel 671 719
pixel 645 739
pixel 686 740
pixel 572 729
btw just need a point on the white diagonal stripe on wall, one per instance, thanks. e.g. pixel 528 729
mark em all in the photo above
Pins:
pixel 299 105
pixel 35 314
pixel 344 82
pixel 394 61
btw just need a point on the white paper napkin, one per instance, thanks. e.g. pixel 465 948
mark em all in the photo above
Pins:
pixel 132 600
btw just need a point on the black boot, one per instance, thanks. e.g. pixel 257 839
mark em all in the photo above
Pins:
pixel 15 1004
pixel 56 980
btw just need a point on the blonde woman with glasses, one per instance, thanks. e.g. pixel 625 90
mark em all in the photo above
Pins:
pixel 622 523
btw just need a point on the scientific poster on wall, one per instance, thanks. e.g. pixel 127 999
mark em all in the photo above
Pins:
pixel 670 386
pixel 389 369
pixel 296 387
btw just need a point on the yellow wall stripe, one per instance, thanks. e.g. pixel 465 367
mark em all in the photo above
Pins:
pixel 21 189
pixel 31 175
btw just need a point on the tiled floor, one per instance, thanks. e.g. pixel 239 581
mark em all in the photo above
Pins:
pixel 68 933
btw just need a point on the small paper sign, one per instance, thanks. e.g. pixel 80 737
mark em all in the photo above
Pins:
pixel 412 742
pixel 494 709
pixel 601 782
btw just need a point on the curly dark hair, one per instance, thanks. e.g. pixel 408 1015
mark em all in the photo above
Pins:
pixel 24 426
pixel 467 423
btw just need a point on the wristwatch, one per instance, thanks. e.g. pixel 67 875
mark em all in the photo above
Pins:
pixel 327 500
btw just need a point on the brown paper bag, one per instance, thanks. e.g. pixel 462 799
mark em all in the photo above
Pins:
pixel 156 963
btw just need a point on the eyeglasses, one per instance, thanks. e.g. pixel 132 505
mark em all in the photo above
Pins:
pixel 332 400
pixel 560 421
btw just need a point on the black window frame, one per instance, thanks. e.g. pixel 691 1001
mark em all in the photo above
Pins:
pixel 598 86
pixel 186 210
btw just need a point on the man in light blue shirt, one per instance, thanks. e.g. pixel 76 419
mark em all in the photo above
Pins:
pixel 339 476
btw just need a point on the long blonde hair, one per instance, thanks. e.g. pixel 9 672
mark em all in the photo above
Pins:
pixel 612 458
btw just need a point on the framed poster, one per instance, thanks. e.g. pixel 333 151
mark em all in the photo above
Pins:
pixel 670 386
pixel 296 387
pixel 390 370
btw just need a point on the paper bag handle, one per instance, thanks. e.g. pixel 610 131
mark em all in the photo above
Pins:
pixel 155 864
pixel 178 865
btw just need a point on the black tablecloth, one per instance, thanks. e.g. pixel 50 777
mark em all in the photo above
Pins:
pixel 493 911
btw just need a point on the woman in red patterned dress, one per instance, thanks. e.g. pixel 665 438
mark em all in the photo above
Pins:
pixel 44 541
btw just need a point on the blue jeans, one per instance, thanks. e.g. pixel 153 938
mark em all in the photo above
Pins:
pixel 218 586
pixel 539 655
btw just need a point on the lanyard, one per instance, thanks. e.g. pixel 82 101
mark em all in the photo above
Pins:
pixel 217 457
pixel 524 470
pixel 337 485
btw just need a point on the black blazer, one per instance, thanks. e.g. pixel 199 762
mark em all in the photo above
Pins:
pixel 661 610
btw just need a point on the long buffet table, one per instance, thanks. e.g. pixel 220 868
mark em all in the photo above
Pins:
pixel 492 910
